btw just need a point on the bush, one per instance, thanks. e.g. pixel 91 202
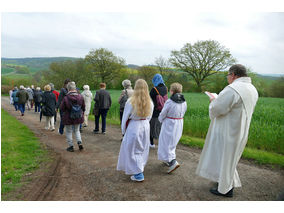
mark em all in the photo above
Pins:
pixel 5 89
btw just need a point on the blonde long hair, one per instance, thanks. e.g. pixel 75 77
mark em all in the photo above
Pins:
pixel 140 100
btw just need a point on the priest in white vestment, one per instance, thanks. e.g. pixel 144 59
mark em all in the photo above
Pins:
pixel 171 118
pixel 135 126
pixel 230 115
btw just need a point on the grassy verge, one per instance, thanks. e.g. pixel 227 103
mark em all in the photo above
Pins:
pixel 259 156
pixel 21 153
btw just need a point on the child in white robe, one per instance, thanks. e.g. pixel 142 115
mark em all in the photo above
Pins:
pixel 171 118
pixel 135 126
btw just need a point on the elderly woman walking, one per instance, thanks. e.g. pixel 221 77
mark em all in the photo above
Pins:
pixel 134 149
pixel 88 96
pixel 48 107
pixel 161 90
pixel 73 107
pixel 125 94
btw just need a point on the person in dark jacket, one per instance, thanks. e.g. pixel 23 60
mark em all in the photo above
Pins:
pixel 62 94
pixel 15 98
pixel 48 107
pixel 56 95
pixel 73 98
pixel 23 98
pixel 102 105
pixel 37 99
pixel 155 125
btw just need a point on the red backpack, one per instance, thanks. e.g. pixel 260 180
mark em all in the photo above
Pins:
pixel 160 100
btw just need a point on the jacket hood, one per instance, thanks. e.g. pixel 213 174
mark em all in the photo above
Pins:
pixel 178 98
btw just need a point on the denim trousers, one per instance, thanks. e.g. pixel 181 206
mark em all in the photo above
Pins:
pixel 68 131
pixel 22 108
pixel 103 114
pixel 37 107
pixel 16 106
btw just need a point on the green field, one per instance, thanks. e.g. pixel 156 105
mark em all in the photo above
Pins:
pixel 266 130
pixel 21 152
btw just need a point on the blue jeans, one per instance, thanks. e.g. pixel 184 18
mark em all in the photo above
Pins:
pixel 37 107
pixel 61 125
pixel 22 108
pixel 103 114
pixel 16 106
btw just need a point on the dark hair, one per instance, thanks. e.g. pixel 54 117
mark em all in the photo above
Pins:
pixel 67 80
pixel 238 70
pixel 102 85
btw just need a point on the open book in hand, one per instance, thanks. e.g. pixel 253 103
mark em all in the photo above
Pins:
pixel 211 95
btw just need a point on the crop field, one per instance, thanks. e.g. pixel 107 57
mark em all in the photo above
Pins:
pixel 266 130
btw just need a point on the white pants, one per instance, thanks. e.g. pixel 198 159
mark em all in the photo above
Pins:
pixel 49 122
pixel 69 129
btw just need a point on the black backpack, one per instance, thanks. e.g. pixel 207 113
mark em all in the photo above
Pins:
pixel 123 100
pixel 76 110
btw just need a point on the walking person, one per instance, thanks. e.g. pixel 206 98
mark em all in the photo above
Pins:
pixel 62 94
pixel 31 96
pixel 23 97
pixel 230 115
pixel 11 98
pixel 15 98
pixel 135 126
pixel 88 97
pixel 125 94
pixel 48 103
pixel 102 105
pixel 171 118
pixel 158 92
pixel 37 99
pixel 56 96
pixel 73 107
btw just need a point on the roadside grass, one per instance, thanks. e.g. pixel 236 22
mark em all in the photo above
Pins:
pixel 21 153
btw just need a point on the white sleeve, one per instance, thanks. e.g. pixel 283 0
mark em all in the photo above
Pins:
pixel 126 114
pixel 223 104
pixel 164 111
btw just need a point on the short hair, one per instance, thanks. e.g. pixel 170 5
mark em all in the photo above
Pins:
pixel 47 87
pixel 22 87
pixel 67 80
pixel 86 87
pixel 102 85
pixel 71 86
pixel 126 83
pixel 176 88
pixel 239 70
pixel 52 86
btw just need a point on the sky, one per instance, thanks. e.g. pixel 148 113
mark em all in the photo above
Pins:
pixel 255 39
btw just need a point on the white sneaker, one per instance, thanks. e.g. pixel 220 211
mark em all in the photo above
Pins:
pixel 173 167
pixel 152 146
pixel 134 179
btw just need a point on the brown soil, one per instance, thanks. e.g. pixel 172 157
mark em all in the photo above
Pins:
pixel 91 174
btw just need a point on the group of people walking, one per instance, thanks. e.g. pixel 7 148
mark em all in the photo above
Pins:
pixel 146 116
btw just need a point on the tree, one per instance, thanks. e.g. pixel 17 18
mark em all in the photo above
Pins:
pixel 105 64
pixel 147 73
pixel 162 64
pixel 202 59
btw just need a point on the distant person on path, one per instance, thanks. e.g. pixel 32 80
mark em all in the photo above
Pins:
pixel 230 115
pixel 134 149
pixel 23 98
pixel 73 107
pixel 31 97
pixel 33 89
pixel 11 98
pixel 171 118
pixel 125 94
pixel 158 89
pixel 88 97
pixel 62 94
pixel 48 107
pixel 56 96
pixel 15 98
pixel 37 99
pixel 102 105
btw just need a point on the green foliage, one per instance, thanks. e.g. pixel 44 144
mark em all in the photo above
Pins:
pixel 147 73
pixel 20 152
pixel 104 64
pixel 277 88
pixel 202 59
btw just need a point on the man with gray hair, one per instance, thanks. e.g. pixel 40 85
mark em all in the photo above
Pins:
pixel 230 115
pixel 73 108
pixel 125 94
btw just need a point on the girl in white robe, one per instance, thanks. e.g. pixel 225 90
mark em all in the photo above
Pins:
pixel 171 118
pixel 88 97
pixel 134 150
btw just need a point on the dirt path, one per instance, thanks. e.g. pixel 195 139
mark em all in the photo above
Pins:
pixel 91 174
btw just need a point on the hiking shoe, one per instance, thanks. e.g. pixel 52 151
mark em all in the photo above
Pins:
pixel 80 145
pixel 103 133
pixel 138 177
pixel 173 167
pixel 96 131
pixel 70 149
pixel 216 192
pixel 52 129
pixel 152 146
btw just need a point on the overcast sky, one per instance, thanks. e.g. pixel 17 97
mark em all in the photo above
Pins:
pixel 254 39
